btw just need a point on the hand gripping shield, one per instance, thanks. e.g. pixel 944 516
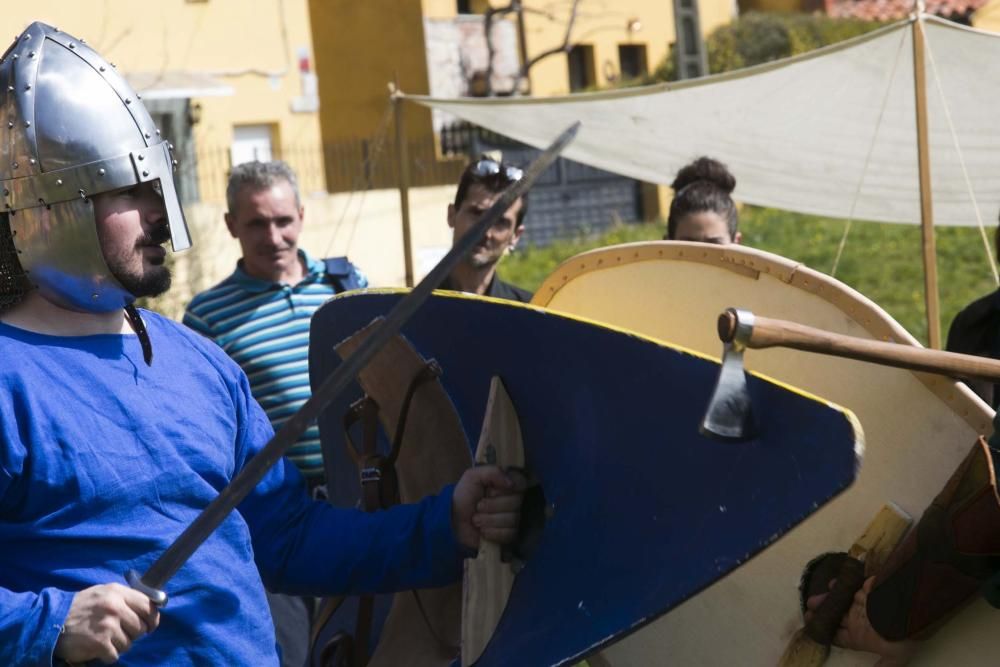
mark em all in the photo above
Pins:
pixel 72 127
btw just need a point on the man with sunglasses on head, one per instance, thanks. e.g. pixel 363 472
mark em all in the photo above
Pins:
pixel 479 188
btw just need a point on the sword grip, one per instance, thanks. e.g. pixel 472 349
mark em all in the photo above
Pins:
pixel 134 580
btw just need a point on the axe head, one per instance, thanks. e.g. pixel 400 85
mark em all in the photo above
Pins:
pixel 730 415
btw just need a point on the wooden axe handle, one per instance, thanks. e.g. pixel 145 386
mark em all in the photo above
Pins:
pixel 767 332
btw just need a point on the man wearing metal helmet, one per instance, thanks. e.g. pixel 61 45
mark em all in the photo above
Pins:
pixel 107 455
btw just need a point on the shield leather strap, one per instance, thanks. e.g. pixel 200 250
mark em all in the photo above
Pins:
pixel 379 490
pixel 946 560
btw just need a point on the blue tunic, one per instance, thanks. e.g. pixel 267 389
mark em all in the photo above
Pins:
pixel 105 460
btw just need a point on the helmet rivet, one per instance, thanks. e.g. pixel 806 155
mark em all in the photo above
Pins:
pixel 101 171
pixel 10 89
pixel 58 181
pixel 101 68
pixel 32 160
pixel 146 135
pixel 141 156
pixel 27 123
pixel 14 165
pixel 15 56
pixel 83 41
pixel 72 45
pixel 31 55
pixel 113 65
pixel 27 86
pixel 27 35
pixel 10 123
pixel 82 193
pixel 128 100
pixel 95 297
pixel 145 173
pixel 138 96
pixel 176 163
pixel 157 132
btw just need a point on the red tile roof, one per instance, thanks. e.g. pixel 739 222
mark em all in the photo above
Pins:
pixel 891 10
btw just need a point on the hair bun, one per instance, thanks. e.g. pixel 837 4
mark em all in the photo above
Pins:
pixel 705 169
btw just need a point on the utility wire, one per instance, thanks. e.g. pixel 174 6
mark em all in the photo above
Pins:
pixel 868 157
pixel 367 166
pixel 961 162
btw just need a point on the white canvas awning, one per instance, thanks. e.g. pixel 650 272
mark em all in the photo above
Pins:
pixel 832 132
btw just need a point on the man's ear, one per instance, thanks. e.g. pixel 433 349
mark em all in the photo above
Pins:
pixel 738 238
pixel 230 223
pixel 302 213
pixel 451 215
pixel 515 237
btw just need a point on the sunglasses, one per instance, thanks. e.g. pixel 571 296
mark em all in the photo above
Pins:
pixel 486 168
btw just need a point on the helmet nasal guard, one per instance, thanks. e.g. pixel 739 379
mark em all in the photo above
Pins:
pixel 74 128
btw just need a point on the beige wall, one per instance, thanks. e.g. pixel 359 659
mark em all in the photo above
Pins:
pixel 987 17
pixel 363 226
pixel 250 45
pixel 439 9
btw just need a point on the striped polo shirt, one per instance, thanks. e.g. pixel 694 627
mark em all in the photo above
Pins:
pixel 264 327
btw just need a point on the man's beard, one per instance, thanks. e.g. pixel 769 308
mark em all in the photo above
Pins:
pixel 482 259
pixel 155 280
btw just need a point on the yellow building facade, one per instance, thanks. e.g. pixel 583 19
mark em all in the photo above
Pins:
pixel 228 78
pixel 619 35
pixel 303 79
pixel 363 46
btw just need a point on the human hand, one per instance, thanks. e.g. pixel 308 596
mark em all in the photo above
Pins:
pixel 102 623
pixel 487 504
pixel 856 631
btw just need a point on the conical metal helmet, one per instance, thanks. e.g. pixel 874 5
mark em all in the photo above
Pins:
pixel 71 127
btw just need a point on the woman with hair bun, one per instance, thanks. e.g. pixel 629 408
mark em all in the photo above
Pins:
pixel 702 209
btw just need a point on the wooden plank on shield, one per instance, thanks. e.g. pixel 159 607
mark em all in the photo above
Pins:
pixel 881 536
pixel 488 579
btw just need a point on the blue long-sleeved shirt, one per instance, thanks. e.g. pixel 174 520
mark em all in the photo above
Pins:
pixel 105 460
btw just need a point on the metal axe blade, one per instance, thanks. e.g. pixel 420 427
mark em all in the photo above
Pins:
pixel 730 413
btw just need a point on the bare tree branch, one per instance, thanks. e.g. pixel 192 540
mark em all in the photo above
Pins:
pixel 565 47
pixel 515 7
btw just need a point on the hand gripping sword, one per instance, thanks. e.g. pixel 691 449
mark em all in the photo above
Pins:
pixel 151 583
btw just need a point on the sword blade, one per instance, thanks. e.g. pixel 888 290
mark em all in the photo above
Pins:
pixel 160 572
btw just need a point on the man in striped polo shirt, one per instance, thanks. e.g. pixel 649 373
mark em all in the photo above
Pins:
pixel 260 316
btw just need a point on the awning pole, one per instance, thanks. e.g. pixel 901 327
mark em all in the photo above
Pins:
pixel 926 201
pixel 404 177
